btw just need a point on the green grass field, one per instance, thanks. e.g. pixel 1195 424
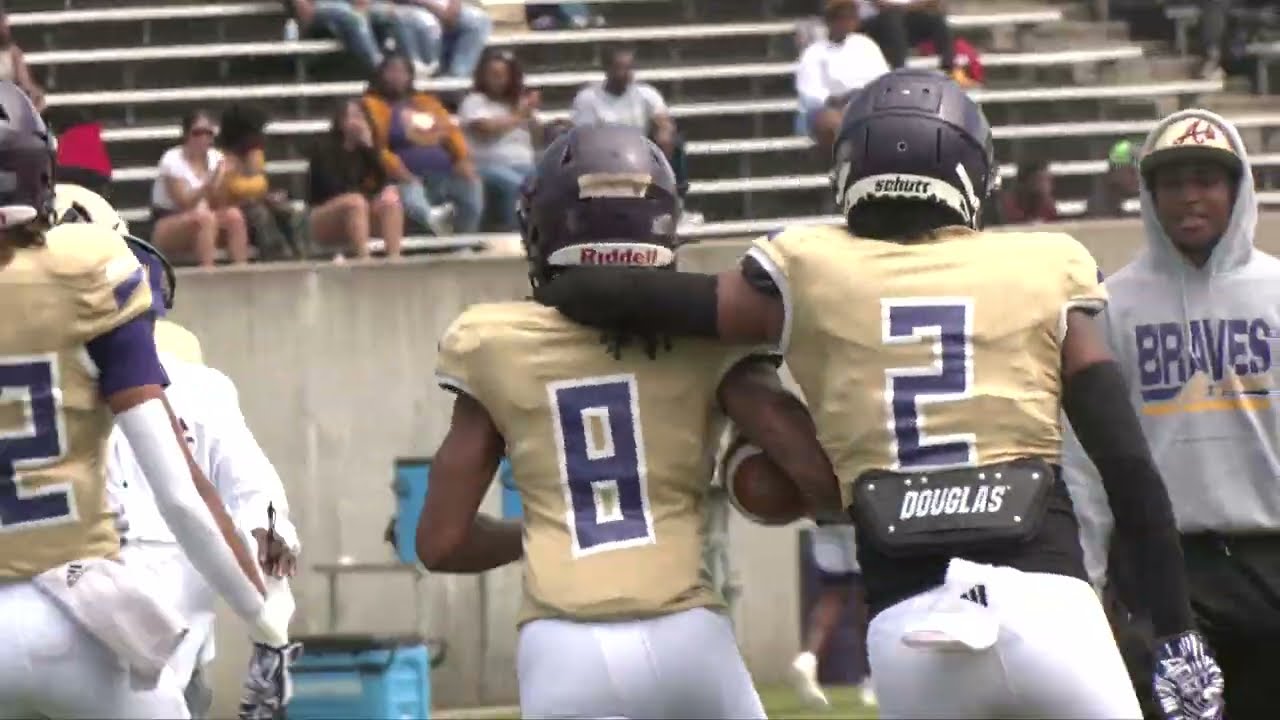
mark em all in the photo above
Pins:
pixel 779 702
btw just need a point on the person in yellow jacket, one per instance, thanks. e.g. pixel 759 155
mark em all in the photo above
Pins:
pixel 422 147
pixel 243 183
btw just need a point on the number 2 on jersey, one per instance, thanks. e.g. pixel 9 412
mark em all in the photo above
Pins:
pixel 29 385
pixel 948 323
pixel 602 463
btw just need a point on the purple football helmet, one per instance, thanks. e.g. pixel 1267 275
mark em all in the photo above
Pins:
pixel 600 195
pixel 27 152
pixel 915 135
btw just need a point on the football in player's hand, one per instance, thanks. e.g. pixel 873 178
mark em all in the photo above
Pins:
pixel 764 494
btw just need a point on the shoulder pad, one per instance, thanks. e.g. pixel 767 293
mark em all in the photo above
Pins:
pixel 175 340
pixel 92 252
pixel 759 278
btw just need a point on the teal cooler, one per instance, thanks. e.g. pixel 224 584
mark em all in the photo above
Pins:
pixel 358 677
pixel 410 486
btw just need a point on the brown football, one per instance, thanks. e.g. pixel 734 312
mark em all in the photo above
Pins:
pixel 762 493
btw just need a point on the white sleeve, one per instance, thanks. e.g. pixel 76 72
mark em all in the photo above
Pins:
pixel 652 99
pixel 809 85
pixel 583 113
pixel 149 431
pixel 171 164
pixel 245 478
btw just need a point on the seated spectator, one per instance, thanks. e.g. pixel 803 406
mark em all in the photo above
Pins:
pixel 896 25
pixel 831 70
pixel 271 218
pixel 422 148
pixel 560 16
pixel 13 64
pixel 187 221
pixel 1031 198
pixel 1213 36
pixel 1118 185
pixel 349 192
pixel 446 34
pixel 346 20
pixel 499 118
pixel 620 100
pixel 82 155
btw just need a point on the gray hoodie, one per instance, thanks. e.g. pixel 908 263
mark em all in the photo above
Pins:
pixel 1200 348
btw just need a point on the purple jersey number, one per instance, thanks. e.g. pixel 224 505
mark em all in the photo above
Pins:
pixel 602 463
pixel 948 324
pixel 32 382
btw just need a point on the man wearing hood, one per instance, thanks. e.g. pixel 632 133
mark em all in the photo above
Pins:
pixel 1194 321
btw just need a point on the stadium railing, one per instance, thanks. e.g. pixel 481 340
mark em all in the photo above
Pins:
pixel 551 79
pixel 266 9
pixel 304 48
pixel 787 105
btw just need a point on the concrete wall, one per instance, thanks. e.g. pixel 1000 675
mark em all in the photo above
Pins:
pixel 334 366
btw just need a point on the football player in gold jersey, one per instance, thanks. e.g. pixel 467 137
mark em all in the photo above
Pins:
pixel 612 453
pixel 81 638
pixel 935 358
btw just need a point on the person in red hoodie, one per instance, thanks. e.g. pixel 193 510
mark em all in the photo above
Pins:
pixel 1031 199
pixel 82 155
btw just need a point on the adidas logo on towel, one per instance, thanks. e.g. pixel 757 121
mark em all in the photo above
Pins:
pixel 977 593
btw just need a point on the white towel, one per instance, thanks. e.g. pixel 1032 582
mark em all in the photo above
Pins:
pixel 108 601
pixel 953 622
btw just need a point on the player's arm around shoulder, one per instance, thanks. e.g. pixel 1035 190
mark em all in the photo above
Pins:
pixel 775 457
pixel 452 535
pixel 741 305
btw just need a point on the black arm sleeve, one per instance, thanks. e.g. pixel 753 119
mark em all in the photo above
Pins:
pixel 646 301
pixel 1096 401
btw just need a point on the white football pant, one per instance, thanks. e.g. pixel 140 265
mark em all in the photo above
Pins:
pixel 995 642
pixel 50 666
pixel 683 665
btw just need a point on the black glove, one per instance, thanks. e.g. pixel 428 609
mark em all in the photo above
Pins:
pixel 268 687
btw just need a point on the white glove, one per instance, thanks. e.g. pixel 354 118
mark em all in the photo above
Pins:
pixel 271 627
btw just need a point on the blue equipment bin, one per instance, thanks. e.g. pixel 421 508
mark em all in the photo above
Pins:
pixel 359 677
pixel 410 486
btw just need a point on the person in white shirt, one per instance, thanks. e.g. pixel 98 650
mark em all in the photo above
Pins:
pixel 896 25
pixel 831 70
pixel 207 405
pixel 186 222
pixel 620 100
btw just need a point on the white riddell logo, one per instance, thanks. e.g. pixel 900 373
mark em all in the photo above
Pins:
pixel 620 256
pixel 906 186
pixel 952 501
pixel 630 254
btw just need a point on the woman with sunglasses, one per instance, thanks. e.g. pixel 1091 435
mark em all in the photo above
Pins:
pixel 187 223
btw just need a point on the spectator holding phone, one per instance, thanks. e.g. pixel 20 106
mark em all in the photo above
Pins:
pixel 499 117
pixel 350 194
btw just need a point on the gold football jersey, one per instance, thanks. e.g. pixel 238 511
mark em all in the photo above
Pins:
pixel 82 283
pixel 941 353
pixel 612 458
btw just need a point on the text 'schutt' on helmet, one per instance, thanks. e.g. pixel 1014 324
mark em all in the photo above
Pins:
pixel 600 195
pixel 27 151
pixel 915 135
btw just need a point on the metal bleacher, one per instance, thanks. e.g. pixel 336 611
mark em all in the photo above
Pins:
pixel 724 66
